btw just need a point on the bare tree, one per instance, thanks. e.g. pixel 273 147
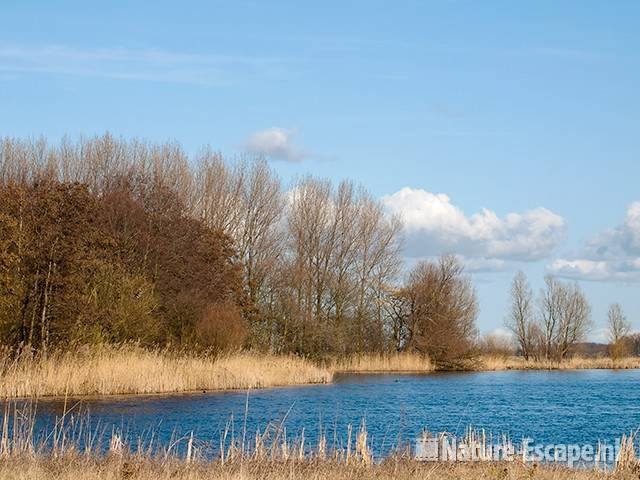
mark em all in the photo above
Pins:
pixel 497 345
pixel 575 319
pixel 343 252
pixel 566 317
pixel 377 265
pixel 398 315
pixel 619 331
pixel 551 300
pixel 619 327
pixel 245 200
pixel 521 315
pixel 218 193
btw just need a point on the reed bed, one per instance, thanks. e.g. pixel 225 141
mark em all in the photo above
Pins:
pixel 128 369
pixel 118 468
pixel 271 455
pixel 409 362
pixel 396 362
pixel 495 363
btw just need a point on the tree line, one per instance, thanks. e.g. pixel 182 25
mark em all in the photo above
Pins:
pixel 550 326
pixel 110 240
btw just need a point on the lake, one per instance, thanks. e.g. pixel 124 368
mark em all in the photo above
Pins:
pixel 581 407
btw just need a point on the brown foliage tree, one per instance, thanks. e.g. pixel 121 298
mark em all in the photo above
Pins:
pixel 442 310
pixel 221 327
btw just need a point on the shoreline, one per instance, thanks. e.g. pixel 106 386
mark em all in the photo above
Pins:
pixel 150 395
pixel 186 393
pixel 107 372
pixel 64 456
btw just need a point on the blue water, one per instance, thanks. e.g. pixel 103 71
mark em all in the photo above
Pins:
pixel 580 407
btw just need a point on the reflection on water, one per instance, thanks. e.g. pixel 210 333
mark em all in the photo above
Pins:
pixel 548 406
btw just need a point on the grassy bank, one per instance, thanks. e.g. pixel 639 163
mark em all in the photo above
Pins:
pixel 116 468
pixel 407 362
pixel 110 370
pixel 130 369
pixel 118 370
pixel 494 363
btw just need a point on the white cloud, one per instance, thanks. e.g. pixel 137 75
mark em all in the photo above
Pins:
pixel 502 333
pixel 276 143
pixel 433 225
pixel 482 264
pixel 613 255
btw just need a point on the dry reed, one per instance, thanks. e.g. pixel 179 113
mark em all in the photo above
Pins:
pixel 117 468
pixel 129 369
pixel 492 363
pixel 272 456
pixel 396 362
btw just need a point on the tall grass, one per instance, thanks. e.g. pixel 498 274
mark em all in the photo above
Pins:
pixel 395 362
pixel 270 455
pixel 119 468
pixel 496 362
pixel 411 362
pixel 128 369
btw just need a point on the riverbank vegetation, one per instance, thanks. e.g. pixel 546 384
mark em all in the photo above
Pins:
pixel 106 241
pixel 497 363
pixel 65 468
pixel 74 449
pixel 109 370
pixel 374 363
pixel 131 369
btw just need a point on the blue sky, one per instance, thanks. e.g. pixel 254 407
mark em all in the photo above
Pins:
pixel 507 132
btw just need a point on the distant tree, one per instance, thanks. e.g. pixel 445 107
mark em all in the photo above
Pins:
pixel 634 343
pixel 521 316
pixel 551 301
pixel 497 345
pixel 566 317
pixel 620 343
pixel 341 257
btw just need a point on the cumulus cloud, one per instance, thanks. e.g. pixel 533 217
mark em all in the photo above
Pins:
pixel 276 143
pixel 434 225
pixel 613 255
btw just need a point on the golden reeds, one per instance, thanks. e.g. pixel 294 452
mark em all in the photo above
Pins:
pixel 377 362
pixel 61 456
pixel 489 363
pixel 128 369
pixel 117 468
